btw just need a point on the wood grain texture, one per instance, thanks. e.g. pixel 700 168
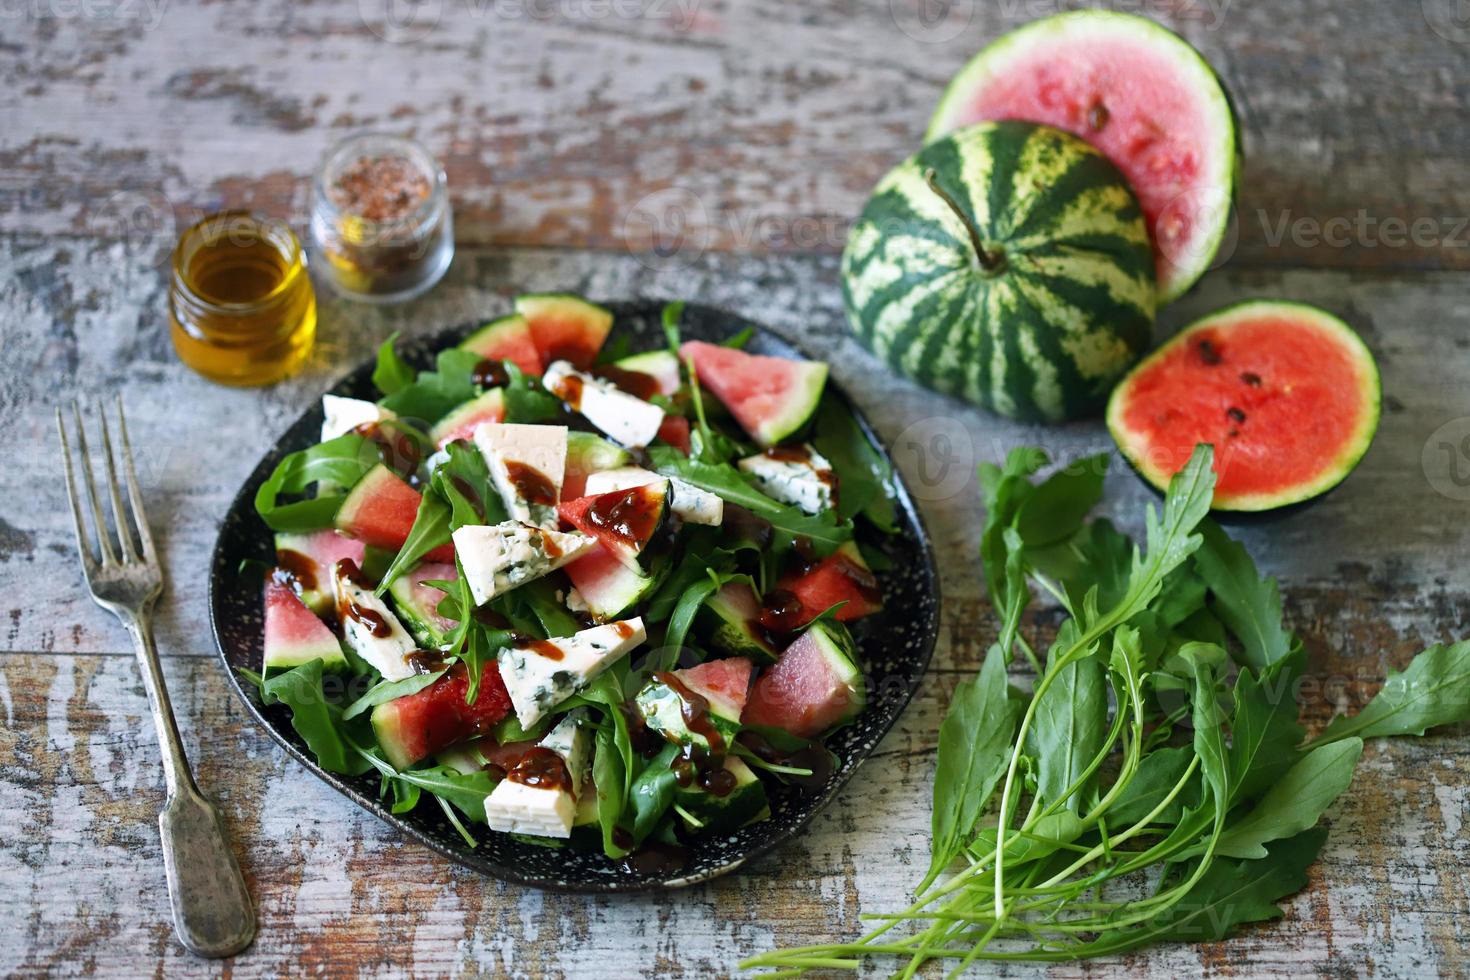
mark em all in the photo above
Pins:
pixel 737 125
pixel 1372 573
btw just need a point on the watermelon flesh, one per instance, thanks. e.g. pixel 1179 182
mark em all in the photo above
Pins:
pixel 674 430
pixel 625 522
pixel 1288 395
pixel 426 598
pixel 379 511
pixel 607 585
pixel 416 726
pixel 507 339
pixel 461 423
pixel 725 684
pixel 814 687
pixel 843 577
pixel 565 328
pixel 587 454
pixel 1142 96
pixel 771 397
pixel 305 562
pixel 293 634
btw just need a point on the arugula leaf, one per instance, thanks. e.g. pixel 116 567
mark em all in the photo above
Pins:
pixel 1296 801
pixel 1071 720
pixel 1433 690
pixel 1005 490
pixel 430 530
pixel 466 791
pixel 1157 774
pixel 609 774
pixel 391 374
pixel 653 792
pixel 435 393
pixel 317 720
pixel 385 691
pixel 1055 510
pixel 526 401
pixel 1249 606
pixel 864 477
pixel 974 743
pixel 336 463
pixel 1264 728
pixel 540 597
pixel 684 612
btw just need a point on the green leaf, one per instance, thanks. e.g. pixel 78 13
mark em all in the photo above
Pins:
pixel 464 481
pixel 526 401
pixel 466 791
pixel 430 530
pixel 1055 510
pixel 435 393
pixel 1264 729
pixel 609 773
pixel 337 463
pixel 1169 540
pixel 385 691
pixel 1295 802
pixel 653 792
pixel 1070 723
pixel 1005 490
pixel 974 746
pixel 540 597
pixel 1209 722
pixel 315 719
pixel 392 374
pixel 864 476
pixel 1433 690
pixel 1248 605
pixel 1157 774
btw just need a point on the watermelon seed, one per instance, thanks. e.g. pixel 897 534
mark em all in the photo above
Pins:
pixel 1097 116
pixel 1208 353
pixel 993 263
pixel 1236 415
pixel 1234 432
pixel 1251 378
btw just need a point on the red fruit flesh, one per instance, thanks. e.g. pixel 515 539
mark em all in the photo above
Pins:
pixel 416 726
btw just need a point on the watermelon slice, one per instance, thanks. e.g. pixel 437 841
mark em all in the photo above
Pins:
pixel 418 604
pixel 814 687
pixel 461 423
pixel 586 454
pixel 1140 94
pixel 842 576
pixel 771 397
pixel 507 339
pixel 415 726
pixel 479 754
pixel 293 634
pixel 608 587
pixel 305 561
pixel 379 511
pixel 565 328
pixel 661 365
pixel 731 620
pixel 674 430
pixel 1287 394
pixel 625 522
pixel 724 683
pixel 698 707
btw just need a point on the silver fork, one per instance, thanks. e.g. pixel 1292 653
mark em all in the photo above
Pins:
pixel 211 907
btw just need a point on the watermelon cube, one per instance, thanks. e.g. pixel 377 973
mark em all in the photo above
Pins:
pixel 815 686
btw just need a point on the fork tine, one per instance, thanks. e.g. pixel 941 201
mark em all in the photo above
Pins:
pixel 104 540
pixel 84 546
pixel 114 490
pixel 145 537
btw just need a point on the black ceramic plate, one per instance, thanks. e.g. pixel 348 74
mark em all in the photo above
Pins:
pixel 895 647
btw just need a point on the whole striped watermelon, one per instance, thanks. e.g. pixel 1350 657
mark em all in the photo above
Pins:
pixel 1008 264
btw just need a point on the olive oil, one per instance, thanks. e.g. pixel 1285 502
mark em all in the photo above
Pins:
pixel 241 306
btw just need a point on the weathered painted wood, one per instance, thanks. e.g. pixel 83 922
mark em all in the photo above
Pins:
pixel 1372 573
pixel 753 126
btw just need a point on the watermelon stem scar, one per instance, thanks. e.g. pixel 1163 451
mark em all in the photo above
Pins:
pixel 992 263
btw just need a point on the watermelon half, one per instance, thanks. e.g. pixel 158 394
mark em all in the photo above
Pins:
pixel 1287 394
pixel 771 397
pixel 415 726
pixel 565 328
pixel 293 634
pixel 379 511
pixel 814 687
pixel 1140 94
pixel 507 339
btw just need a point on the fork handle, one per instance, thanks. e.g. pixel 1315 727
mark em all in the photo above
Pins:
pixel 211 906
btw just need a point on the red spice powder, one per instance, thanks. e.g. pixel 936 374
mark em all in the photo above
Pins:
pixel 378 189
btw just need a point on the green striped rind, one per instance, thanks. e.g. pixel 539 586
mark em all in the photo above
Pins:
pixel 1045 338
pixel 1135 445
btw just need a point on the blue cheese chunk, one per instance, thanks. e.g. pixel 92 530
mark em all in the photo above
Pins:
pixel 545 811
pixel 795 475
pixel 499 557
pixel 541 674
pixel 628 420
pixel 341 415
pixel 526 463
pixel 370 628
pixel 693 505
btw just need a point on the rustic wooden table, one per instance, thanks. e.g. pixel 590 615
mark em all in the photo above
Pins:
pixel 680 148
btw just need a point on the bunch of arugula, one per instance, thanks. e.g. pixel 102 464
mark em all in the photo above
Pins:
pixel 1137 794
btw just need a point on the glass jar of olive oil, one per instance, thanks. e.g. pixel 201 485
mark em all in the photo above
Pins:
pixel 241 307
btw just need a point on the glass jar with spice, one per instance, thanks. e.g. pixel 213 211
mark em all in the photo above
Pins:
pixel 380 218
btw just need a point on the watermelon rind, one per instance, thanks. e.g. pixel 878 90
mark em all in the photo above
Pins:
pixel 415 615
pixel 661 365
pixel 609 587
pixel 662 709
pixel 489 406
pixel 1177 272
pixel 1134 446
pixel 490 341
pixel 1058 307
pixel 746 803
pixel 588 453
pixel 729 620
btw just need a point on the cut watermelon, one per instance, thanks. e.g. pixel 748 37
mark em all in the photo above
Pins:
pixel 1140 94
pixel 814 687
pixel 415 726
pixel 843 577
pixel 724 683
pixel 293 634
pixel 461 423
pixel 380 511
pixel 625 522
pixel 565 328
pixel 608 587
pixel 771 397
pixel 698 707
pixel 1287 394
pixel 731 619
pixel 587 453
pixel 507 339
pixel 418 604
pixel 479 754
pixel 661 365
pixel 674 430
pixel 305 561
